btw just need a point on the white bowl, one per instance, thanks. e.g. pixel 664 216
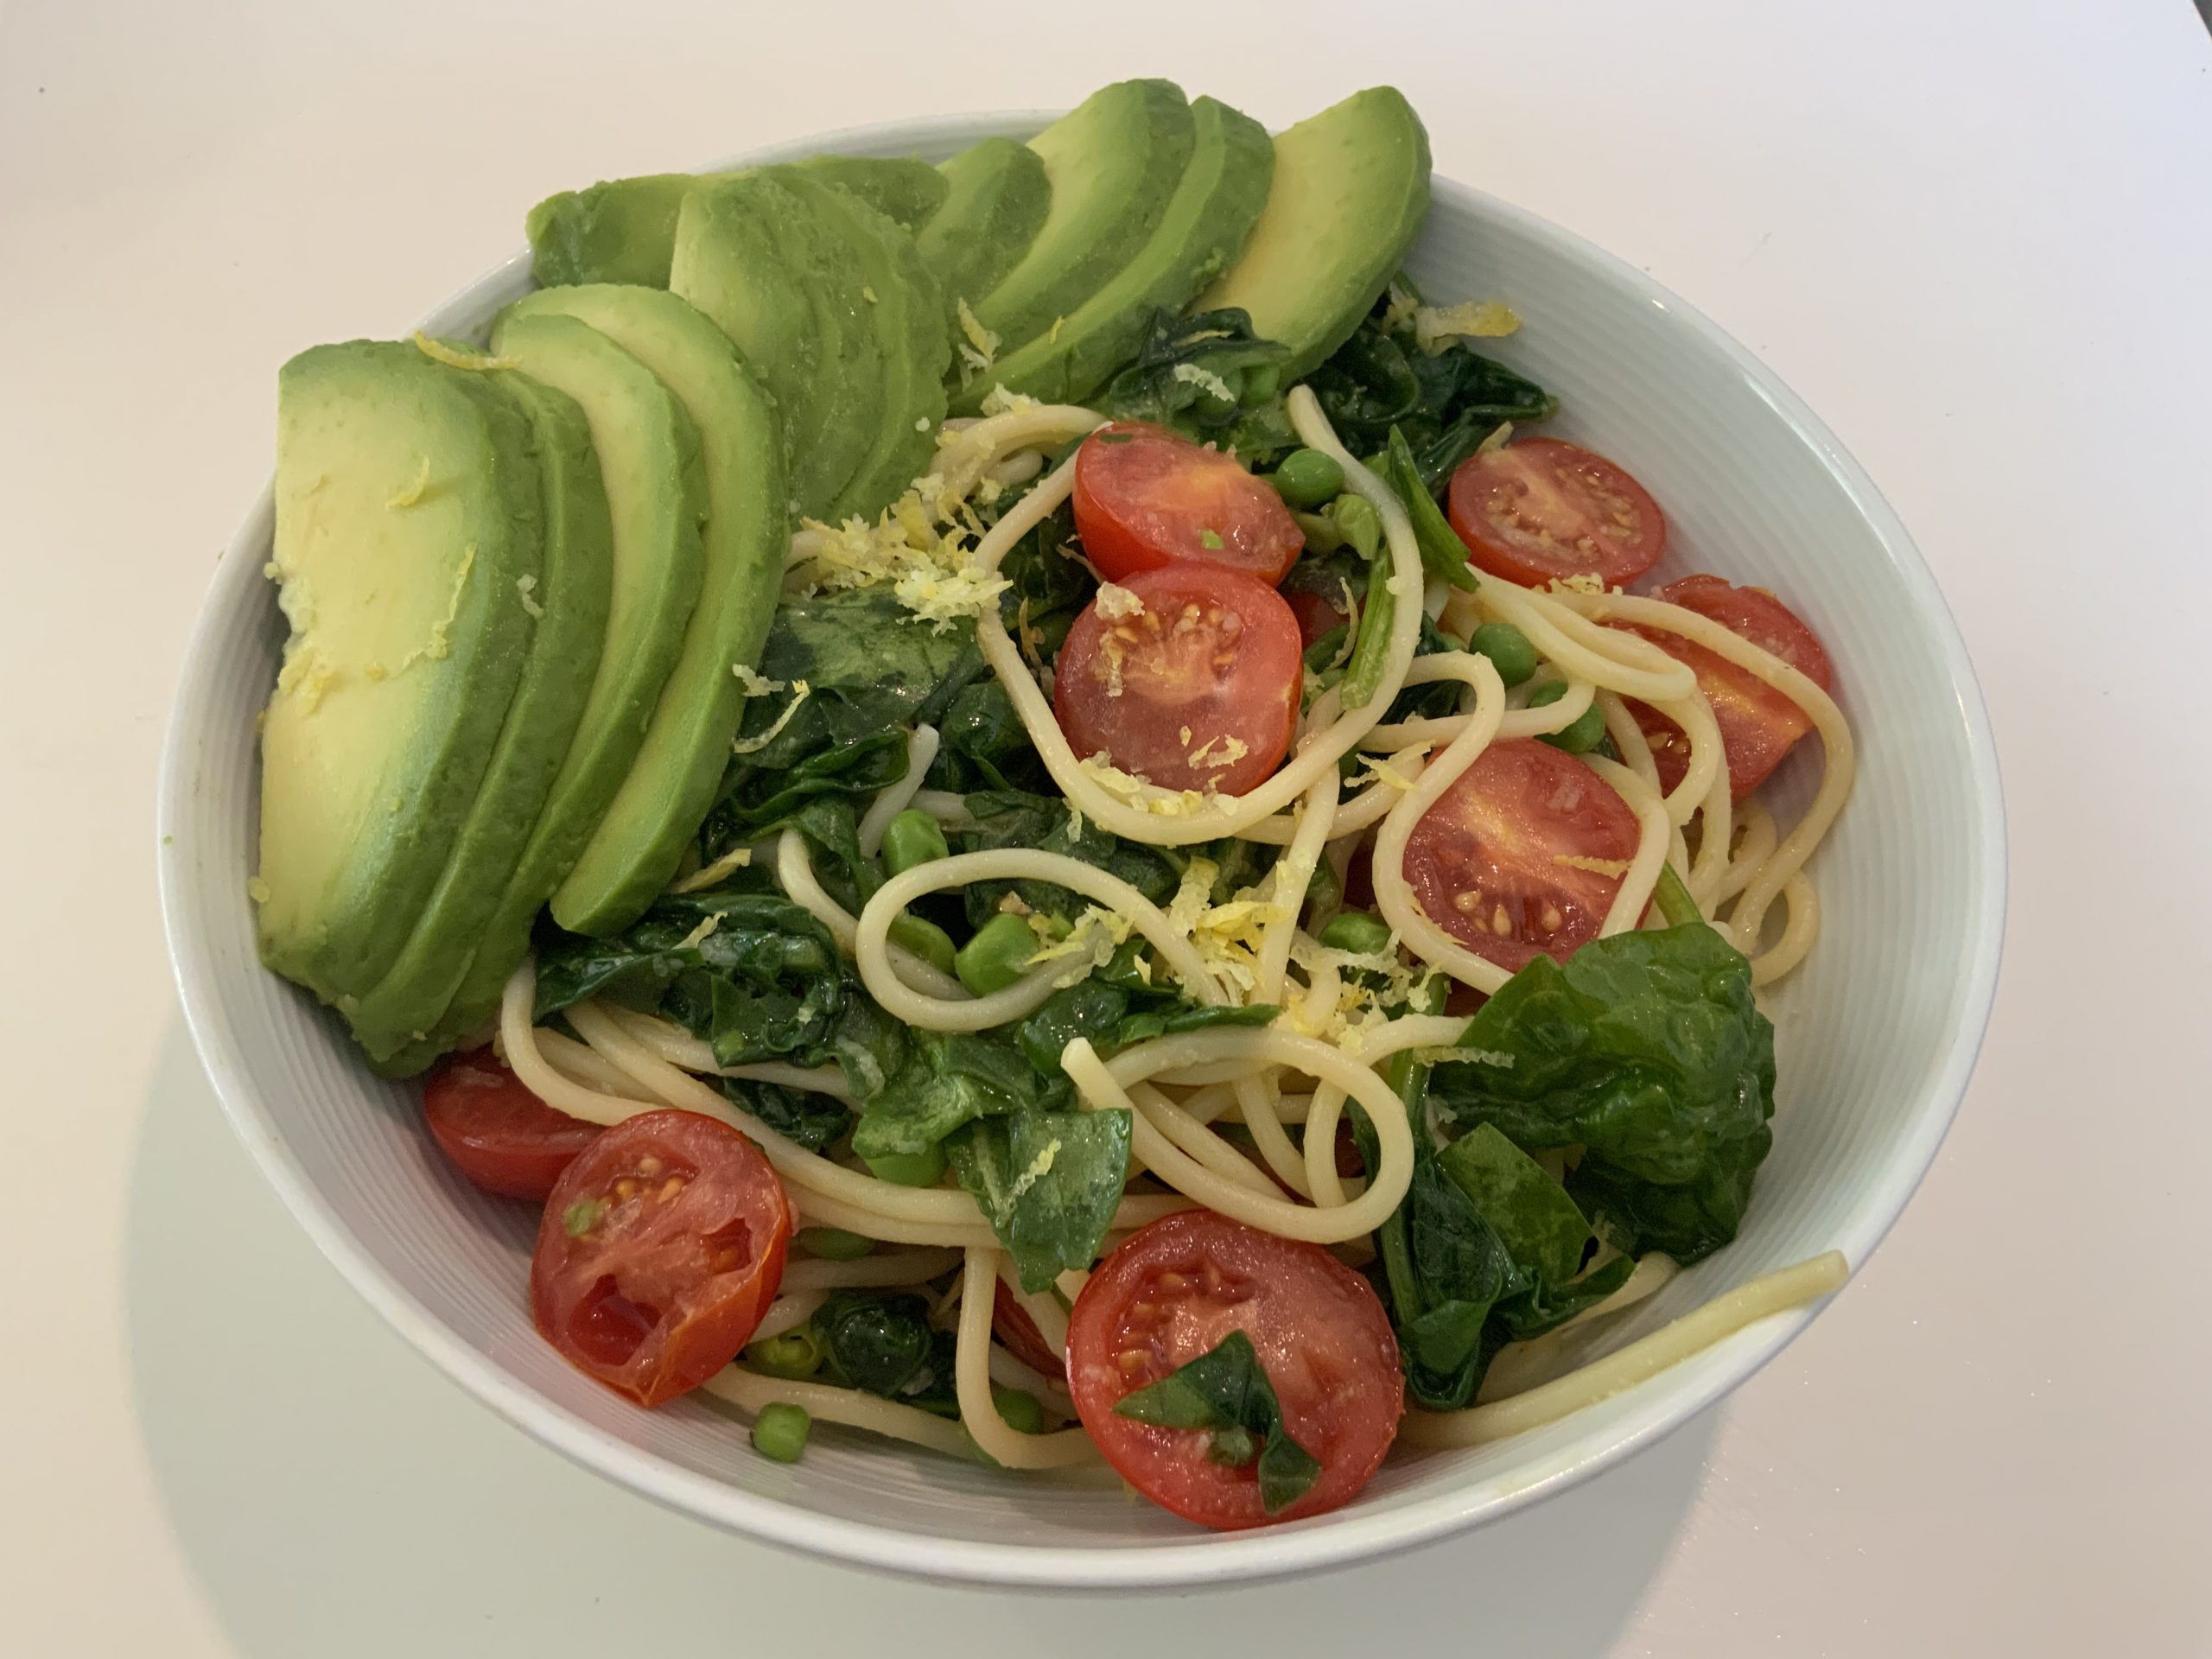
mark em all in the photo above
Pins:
pixel 1878 1032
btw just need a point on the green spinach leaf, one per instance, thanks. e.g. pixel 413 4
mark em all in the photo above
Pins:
pixel 1209 377
pixel 1012 818
pixel 1226 1392
pixel 883 1342
pixel 1647 1050
pixel 950 1078
pixel 1048 1182
pixel 814 1121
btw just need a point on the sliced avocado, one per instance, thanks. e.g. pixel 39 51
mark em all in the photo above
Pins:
pixel 908 191
pixel 1198 238
pixel 568 600
pixel 624 230
pixel 998 196
pixel 409 508
pixel 617 230
pixel 652 471
pixel 907 308
pixel 756 256
pixel 658 809
pixel 1113 161
pixel 1350 195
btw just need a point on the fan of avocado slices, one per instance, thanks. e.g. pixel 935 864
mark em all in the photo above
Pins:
pixel 529 579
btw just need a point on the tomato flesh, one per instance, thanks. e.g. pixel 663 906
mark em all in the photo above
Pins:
pixel 1543 509
pixel 1145 497
pixel 501 1136
pixel 1187 675
pixel 661 1247
pixel 1172 1293
pixel 1758 725
pixel 1018 1335
pixel 1522 856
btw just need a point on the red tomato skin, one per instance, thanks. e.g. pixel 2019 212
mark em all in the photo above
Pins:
pixel 1320 1333
pixel 501 1136
pixel 1596 518
pixel 1018 1335
pixel 661 1290
pixel 1145 497
pixel 1758 725
pixel 1316 616
pixel 1496 835
pixel 1131 687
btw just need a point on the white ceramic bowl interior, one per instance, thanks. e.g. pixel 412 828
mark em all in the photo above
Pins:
pixel 1876 1032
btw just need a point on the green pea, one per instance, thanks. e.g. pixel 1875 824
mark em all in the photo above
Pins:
pixel 1509 651
pixel 1326 891
pixel 794 1355
pixel 1359 523
pixel 912 838
pixel 1585 733
pixel 923 1168
pixel 1359 932
pixel 924 939
pixel 1307 479
pixel 1261 382
pixel 1547 694
pixel 779 1432
pixel 997 955
pixel 834 1243
pixel 1020 1408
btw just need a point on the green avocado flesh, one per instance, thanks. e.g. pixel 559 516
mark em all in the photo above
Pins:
pixel 624 230
pixel 915 347
pixel 478 916
pixel 752 254
pixel 657 811
pixel 1206 221
pixel 1351 193
pixel 1114 161
pixel 652 472
pixel 409 506
pixel 997 197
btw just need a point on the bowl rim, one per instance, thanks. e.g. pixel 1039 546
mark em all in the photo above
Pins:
pixel 1345 1537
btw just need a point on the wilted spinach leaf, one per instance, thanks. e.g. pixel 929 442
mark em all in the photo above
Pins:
pixel 1048 1182
pixel 1209 377
pixel 814 1121
pixel 870 666
pixel 950 1078
pixel 1227 1391
pixel 1012 818
pixel 1446 404
pixel 1647 1050
pixel 883 1342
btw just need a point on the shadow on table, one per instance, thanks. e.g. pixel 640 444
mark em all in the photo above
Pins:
pixel 335 1497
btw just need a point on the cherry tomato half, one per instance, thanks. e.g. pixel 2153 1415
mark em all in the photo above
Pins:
pixel 1522 856
pixel 1018 1335
pixel 503 1137
pixel 1145 497
pixel 1192 682
pixel 1542 508
pixel 661 1248
pixel 1758 725
pixel 1170 1294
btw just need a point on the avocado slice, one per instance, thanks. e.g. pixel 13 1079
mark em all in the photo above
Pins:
pixel 1198 238
pixel 756 255
pixel 409 506
pixel 1351 193
pixel 907 308
pixel 997 197
pixel 1113 161
pixel 657 811
pixel 624 230
pixel 567 602
pixel 909 193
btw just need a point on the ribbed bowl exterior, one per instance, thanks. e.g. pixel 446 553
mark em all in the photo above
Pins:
pixel 1878 1032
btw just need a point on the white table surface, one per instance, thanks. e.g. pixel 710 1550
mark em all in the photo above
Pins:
pixel 1977 238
